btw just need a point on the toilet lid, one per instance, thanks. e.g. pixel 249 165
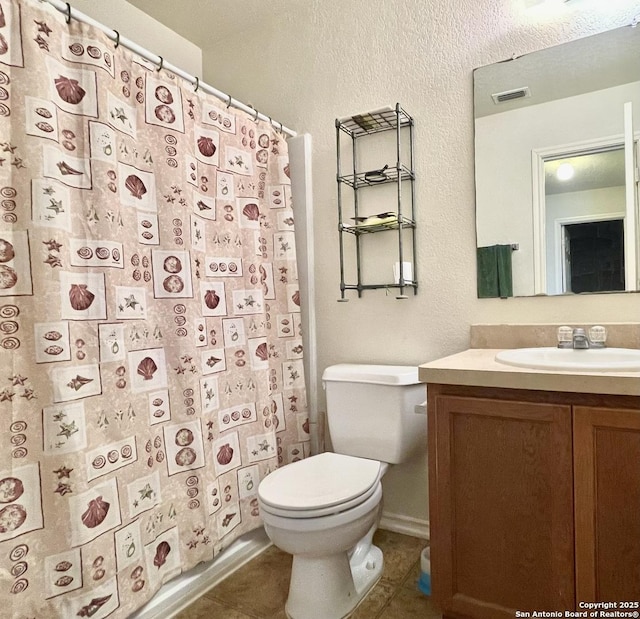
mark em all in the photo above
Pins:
pixel 324 480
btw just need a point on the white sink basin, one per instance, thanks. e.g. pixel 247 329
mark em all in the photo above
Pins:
pixel 569 359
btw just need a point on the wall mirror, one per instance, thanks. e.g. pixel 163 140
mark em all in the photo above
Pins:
pixel 556 158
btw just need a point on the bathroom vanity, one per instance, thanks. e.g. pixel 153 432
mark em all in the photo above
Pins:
pixel 534 482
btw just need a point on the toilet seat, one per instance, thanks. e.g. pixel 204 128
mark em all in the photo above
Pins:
pixel 321 485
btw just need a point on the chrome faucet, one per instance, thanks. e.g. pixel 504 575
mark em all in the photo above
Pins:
pixel 577 337
pixel 580 339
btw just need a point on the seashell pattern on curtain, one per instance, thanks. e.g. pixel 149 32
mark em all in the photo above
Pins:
pixel 150 348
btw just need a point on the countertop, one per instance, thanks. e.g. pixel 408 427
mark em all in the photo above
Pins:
pixel 478 367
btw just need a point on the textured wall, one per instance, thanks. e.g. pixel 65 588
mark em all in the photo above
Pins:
pixel 136 25
pixel 329 59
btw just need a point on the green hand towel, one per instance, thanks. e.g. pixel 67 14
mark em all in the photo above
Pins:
pixel 494 272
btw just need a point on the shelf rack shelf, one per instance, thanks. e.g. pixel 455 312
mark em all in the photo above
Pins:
pixel 374 122
pixel 401 222
pixel 378 227
pixel 358 180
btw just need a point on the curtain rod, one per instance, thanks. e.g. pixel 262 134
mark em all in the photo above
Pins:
pixel 71 13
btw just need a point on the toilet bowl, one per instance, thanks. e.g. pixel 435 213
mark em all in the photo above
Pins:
pixel 325 509
pixel 328 528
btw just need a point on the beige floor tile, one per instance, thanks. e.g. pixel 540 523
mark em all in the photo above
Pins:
pixel 204 608
pixel 260 587
pixel 411 581
pixel 408 604
pixel 400 553
pixel 375 601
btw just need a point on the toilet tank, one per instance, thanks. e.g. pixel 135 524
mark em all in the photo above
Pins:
pixel 371 411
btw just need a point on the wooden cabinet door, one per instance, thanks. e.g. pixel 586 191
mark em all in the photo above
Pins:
pixel 501 506
pixel 607 503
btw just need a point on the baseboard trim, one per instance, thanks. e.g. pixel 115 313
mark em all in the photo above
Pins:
pixel 406 525
pixel 179 593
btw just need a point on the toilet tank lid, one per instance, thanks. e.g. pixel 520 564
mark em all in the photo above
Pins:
pixel 375 374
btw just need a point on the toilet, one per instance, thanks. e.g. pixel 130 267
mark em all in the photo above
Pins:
pixel 325 509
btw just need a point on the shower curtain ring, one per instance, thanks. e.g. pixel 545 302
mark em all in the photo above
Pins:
pixel 197 84
pixel 159 68
pixel 117 40
pixel 255 118
pixel 229 102
pixel 67 17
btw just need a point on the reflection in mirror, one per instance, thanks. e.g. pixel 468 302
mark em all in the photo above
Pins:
pixel 565 110
pixel 584 206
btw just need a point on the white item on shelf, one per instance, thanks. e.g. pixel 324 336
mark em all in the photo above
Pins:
pixel 407 272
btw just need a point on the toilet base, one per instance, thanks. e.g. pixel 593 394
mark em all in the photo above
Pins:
pixel 338 587
pixel 368 572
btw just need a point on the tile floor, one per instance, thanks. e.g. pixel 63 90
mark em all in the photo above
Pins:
pixel 259 589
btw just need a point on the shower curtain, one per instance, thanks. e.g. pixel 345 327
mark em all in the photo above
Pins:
pixel 150 348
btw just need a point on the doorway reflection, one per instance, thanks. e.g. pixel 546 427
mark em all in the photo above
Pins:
pixel 594 256
pixel 584 210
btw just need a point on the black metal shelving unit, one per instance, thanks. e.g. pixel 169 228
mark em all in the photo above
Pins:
pixel 402 220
